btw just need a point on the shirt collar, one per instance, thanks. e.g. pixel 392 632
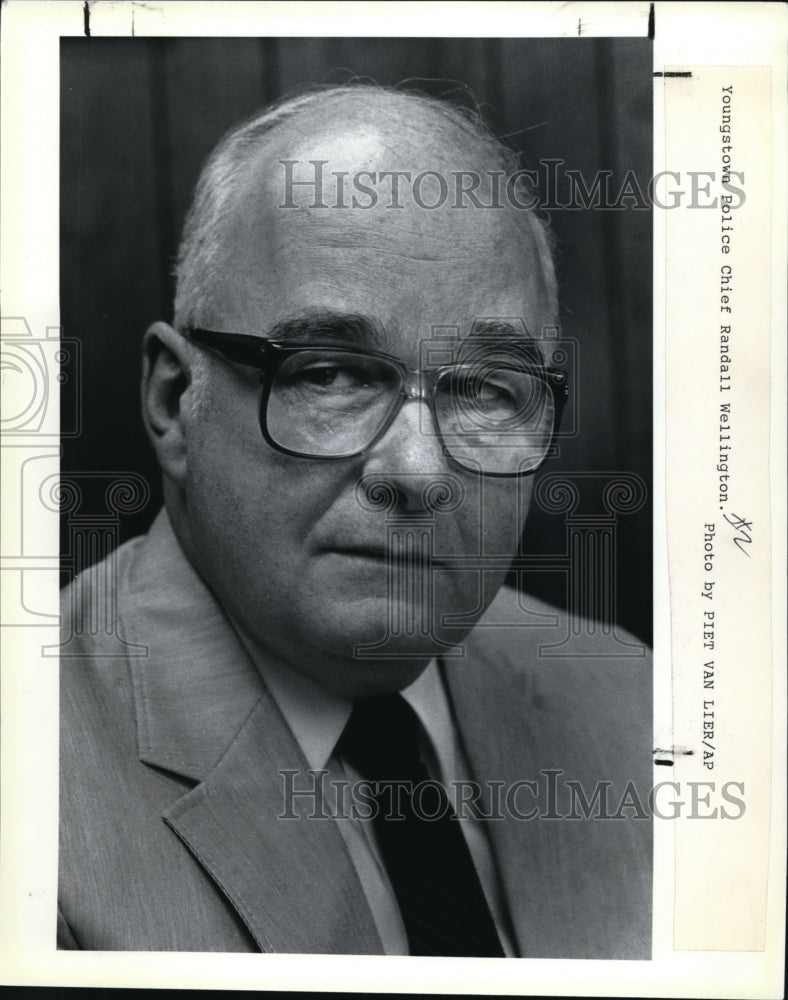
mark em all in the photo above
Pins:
pixel 427 697
pixel 317 716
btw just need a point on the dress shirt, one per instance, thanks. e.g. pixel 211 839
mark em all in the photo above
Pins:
pixel 317 718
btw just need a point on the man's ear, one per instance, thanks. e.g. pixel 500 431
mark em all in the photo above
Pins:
pixel 166 374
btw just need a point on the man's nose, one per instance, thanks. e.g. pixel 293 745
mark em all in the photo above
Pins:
pixel 409 454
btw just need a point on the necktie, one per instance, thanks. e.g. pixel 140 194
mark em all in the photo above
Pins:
pixel 428 863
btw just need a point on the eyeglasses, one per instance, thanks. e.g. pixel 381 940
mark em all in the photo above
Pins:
pixel 496 408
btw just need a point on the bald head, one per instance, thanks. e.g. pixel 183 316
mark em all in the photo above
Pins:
pixel 400 164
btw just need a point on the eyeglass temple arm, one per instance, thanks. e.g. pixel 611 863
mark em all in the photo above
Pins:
pixel 238 347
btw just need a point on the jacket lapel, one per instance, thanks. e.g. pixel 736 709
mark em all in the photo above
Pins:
pixel 203 712
pixel 283 867
pixel 576 888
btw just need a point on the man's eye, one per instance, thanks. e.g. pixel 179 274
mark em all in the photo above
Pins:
pixel 491 392
pixel 339 377
pixel 481 392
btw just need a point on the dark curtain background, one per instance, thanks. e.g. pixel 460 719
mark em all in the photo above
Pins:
pixel 138 116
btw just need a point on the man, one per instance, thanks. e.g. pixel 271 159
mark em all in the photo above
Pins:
pixel 319 752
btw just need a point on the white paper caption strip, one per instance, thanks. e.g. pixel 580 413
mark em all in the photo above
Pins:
pixel 718 351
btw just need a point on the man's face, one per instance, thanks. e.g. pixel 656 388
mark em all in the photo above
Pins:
pixel 300 563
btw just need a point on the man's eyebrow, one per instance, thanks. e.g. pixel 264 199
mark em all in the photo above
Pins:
pixel 493 327
pixel 499 331
pixel 327 326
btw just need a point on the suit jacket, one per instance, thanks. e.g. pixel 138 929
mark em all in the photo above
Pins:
pixel 172 747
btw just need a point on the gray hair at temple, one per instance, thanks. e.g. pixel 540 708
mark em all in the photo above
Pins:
pixel 200 263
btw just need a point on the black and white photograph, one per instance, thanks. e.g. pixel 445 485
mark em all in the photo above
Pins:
pixel 371 674
pixel 391 502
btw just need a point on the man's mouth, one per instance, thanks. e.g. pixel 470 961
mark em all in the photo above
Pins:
pixel 360 552
pixel 398 554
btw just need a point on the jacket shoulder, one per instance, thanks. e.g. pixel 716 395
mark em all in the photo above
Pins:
pixel 91 606
pixel 571 669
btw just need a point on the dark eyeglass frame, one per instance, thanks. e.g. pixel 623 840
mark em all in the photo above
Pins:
pixel 267 356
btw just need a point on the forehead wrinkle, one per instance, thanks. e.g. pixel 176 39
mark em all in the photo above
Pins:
pixel 441 255
pixel 446 234
pixel 438 239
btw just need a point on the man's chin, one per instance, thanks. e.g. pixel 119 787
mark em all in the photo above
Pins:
pixel 356 647
pixel 385 628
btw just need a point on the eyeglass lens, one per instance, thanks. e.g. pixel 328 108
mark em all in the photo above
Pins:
pixel 490 416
